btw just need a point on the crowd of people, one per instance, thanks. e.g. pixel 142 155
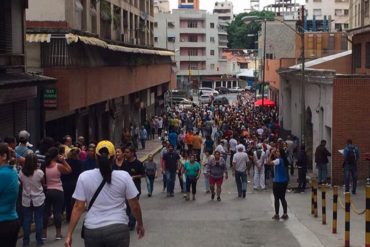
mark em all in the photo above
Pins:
pixel 203 141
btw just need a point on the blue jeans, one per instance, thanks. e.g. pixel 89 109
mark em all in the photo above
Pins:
pixel 206 182
pixel 149 183
pixel 241 181
pixel 29 213
pixel 170 178
pixel 350 171
pixel 323 172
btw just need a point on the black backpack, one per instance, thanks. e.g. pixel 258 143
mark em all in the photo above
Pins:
pixel 351 158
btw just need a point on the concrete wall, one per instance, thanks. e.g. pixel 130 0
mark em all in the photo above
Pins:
pixel 351 117
pixel 46 10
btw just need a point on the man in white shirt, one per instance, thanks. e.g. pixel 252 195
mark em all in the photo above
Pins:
pixel 259 158
pixel 232 147
pixel 240 161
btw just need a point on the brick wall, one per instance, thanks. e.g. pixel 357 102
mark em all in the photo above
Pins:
pixel 351 119
pixel 362 39
pixel 272 65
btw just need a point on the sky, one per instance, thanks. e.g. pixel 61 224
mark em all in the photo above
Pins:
pixel 239 5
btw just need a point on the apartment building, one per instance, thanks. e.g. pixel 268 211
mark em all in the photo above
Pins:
pixel 194 37
pixel 98 51
pixel 224 10
pixel 161 6
pixel 288 9
pixel 255 5
pixel 21 93
pixel 322 12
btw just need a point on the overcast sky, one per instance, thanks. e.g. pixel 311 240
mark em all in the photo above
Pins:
pixel 239 5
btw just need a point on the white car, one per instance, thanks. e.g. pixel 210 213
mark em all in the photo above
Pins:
pixel 205 99
pixel 208 90
pixel 236 90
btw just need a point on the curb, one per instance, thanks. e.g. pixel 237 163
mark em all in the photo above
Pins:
pixel 154 152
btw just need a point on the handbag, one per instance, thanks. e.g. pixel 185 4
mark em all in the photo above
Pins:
pixel 90 205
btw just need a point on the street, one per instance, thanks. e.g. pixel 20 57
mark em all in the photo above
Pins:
pixel 231 222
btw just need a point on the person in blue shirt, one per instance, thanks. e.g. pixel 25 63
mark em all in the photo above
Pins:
pixel 9 188
pixel 280 182
pixel 90 162
pixel 172 138
pixel 351 155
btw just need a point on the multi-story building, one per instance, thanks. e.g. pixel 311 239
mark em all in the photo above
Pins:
pixel 161 6
pixel 255 5
pixel 284 8
pixel 224 10
pixel 98 51
pixel 188 4
pixel 21 93
pixel 194 37
pixel 322 12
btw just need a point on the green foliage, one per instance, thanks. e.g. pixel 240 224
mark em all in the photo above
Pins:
pixel 244 36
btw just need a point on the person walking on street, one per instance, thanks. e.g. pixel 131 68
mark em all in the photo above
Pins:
pixel 171 164
pixel 192 171
pixel 232 147
pixel 351 155
pixel 105 222
pixel 302 169
pixel 9 223
pixel 239 167
pixel 151 173
pixel 206 158
pixel 161 163
pixel 259 159
pixel 216 170
pixel 197 143
pixel 143 136
pixel 280 182
pixel 321 160
pixel 55 166
pixel 33 198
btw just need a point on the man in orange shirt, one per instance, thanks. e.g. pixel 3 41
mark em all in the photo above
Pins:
pixel 197 145
pixel 189 141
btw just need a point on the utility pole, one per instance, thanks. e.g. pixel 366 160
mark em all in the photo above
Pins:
pixel 303 84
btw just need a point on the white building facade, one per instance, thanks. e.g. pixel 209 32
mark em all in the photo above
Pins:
pixel 336 11
pixel 194 36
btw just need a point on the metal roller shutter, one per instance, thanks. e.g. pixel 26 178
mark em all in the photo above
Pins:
pixel 6 121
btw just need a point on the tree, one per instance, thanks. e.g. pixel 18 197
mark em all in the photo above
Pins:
pixel 244 36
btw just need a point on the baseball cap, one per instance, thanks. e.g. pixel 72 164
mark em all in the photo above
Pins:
pixel 105 144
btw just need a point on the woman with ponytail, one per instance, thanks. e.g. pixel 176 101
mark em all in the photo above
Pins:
pixel 105 223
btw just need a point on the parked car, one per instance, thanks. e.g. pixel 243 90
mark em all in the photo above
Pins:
pixel 205 99
pixel 221 101
pixel 236 90
pixel 222 90
pixel 207 90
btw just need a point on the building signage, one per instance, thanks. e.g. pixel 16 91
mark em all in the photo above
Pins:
pixel 50 98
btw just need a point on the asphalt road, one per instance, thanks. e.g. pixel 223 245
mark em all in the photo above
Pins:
pixel 231 222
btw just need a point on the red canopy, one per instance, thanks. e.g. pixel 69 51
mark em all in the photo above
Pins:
pixel 266 102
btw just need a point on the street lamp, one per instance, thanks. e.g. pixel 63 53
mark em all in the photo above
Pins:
pixel 247 20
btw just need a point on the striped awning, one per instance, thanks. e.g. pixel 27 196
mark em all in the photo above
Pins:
pixel 38 37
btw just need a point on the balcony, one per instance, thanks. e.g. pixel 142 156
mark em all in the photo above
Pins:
pixel 199 30
pixel 194 58
pixel 200 44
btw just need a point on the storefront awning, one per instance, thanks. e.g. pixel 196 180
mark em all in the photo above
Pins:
pixel 38 37
pixel 72 38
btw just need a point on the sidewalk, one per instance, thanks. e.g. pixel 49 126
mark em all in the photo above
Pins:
pixel 300 206
pixel 151 147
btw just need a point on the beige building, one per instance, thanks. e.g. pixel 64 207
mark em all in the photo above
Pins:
pixel 125 21
pixel 359 13
pixel 161 6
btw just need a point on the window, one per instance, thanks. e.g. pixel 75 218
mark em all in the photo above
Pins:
pixel 155 24
pixel 193 52
pixel 170 25
pixel 357 56
pixel 346 26
pixel 171 39
pixel 317 12
pixel 193 38
pixel 269 56
pixel 338 27
pixel 192 24
pixel 338 12
pixel 317 1
pixel 212 39
pixel 345 12
pixel 366 8
pixel 212 66
pixel 368 55
pixel 212 52
pixel 212 25
pixel 155 39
